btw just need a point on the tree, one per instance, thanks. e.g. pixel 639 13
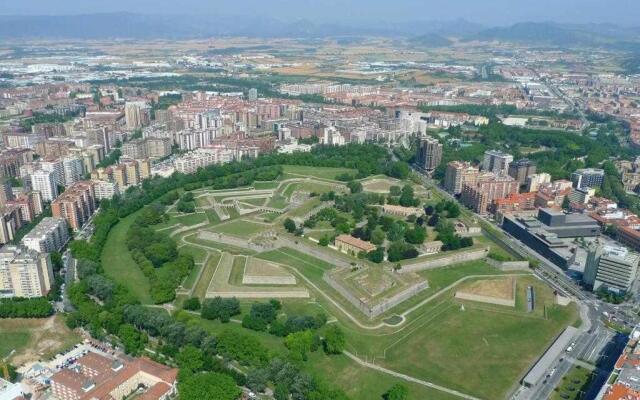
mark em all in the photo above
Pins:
pixel 192 304
pixel 334 340
pixel 397 392
pixel 190 358
pixel 209 386
pixel 355 186
pixel 289 225
pixel 417 235
pixel 299 344
pixel 377 236
pixel 377 255
pixel 398 169
pixel 565 203
pixel 131 338
pixel 257 379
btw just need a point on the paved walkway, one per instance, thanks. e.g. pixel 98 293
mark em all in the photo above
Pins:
pixel 409 378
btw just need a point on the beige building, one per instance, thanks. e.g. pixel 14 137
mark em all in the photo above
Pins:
pixel 24 272
pixel 351 245
pixel 458 174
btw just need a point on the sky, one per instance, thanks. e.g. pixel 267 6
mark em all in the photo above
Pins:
pixel 487 12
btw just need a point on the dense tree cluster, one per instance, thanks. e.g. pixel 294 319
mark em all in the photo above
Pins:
pixel 18 307
pixel 157 255
pixel 219 308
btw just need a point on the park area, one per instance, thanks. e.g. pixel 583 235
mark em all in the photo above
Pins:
pixel 241 249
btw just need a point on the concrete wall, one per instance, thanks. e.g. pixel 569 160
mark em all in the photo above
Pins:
pixel 268 280
pixel 446 261
pixel 375 310
pixel 509 265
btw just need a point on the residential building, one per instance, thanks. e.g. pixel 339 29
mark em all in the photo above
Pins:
pixel 73 170
pixel 253 94
pixel 105 190
pixel 24 272
pixel 351 245
pixel 136 114
pixel 480 194
pixel 497 162
pixel 534 181
pixel 429 153
pixel 458 174
pixel 582 195
pixel 521 170
pixel 587 177
pixel 56 168
pixel 76 205
pixel 100 376
pixel 514 202
pixel 10 221
pixel 200 158
pixel 332 137
pixel 49 235
pixel 30 204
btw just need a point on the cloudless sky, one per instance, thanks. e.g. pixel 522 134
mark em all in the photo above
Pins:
pixel 490 12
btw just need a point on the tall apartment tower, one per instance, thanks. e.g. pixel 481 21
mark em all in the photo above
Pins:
pixel 488 187
pixel 24 272
pixel 429 153
pixel 497 162
pixel 73 170
pixel 136 114
pixel 253 94
pixel 522 169
pixel 44 182
pixel 458 174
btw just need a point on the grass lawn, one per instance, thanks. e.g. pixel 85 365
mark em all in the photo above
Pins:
pixel 203 283
pixel 317 172
pixel 572 385
pixel 362 383
pixel 13 338
pixel 191 219
pixel 190 280
pixel 237 270
pixel 198 254
pixel 277 201
pixel 119 265
pixel 261 185
pixel 240 228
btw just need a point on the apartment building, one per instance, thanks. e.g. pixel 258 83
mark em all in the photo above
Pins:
pixel 49 235
pixel 429 153
pixel 611 267
pixel 24 272
pixel 587 178
pixel 76 205
pixel 99 376
pixel 44 182
pixel 458 174
pixel 488 187
pixel 497 162
pixel 105 189
pixel 520 170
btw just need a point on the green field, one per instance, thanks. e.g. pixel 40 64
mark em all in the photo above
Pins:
pixel 207 273
pixel 13 338
pixel 317 172
pixel 119 265
pixel 362 383
pixel 240 228
pixel 481 351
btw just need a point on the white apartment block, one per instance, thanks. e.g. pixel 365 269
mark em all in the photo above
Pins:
pixel 105 190
pixel 49 235
pixel 44 182
pixel 73 170
pixel 200 158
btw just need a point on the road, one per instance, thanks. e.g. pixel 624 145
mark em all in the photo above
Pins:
pixel 594 343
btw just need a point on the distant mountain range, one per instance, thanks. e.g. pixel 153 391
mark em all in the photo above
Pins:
pixel 549 33
pixel 420 33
